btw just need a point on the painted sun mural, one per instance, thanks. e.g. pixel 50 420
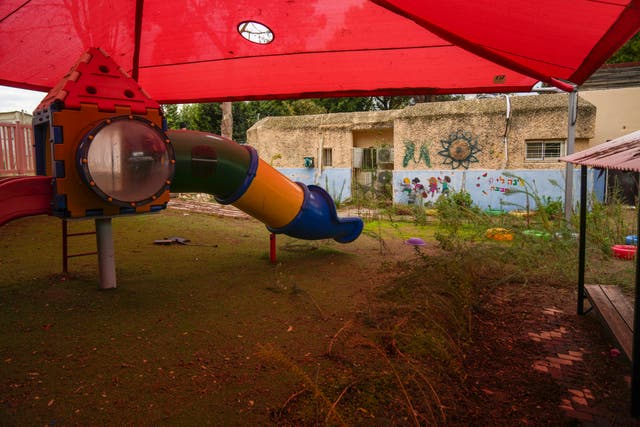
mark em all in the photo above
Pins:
pixel 460 149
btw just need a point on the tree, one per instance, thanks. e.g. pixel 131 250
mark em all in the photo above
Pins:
pixel 226 126
pixel 391 102
pixel 345 105
pixel 202 117
pixel 208 117
pixel 300 107
pixel 629 52
pixel 172 115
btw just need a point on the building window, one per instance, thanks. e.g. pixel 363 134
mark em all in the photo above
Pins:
pixel 544 151
pixel 369 159
pixel 327 157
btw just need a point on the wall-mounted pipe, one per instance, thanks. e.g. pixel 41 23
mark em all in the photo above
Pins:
pixel 505 138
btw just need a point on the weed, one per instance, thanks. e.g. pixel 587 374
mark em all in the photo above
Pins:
pixel 269 352
pixel 607 223
pixel 547 209
pixel 337 197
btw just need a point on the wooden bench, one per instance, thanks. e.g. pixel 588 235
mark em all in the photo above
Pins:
pixel 616 311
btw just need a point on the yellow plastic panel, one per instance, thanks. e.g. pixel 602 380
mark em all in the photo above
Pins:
pixel 272 197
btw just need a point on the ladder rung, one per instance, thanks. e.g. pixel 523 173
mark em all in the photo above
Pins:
pixel 65 244
pixel 84 233
pixel 82 254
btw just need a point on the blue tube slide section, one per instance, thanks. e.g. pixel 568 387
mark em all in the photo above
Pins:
pixel 318 219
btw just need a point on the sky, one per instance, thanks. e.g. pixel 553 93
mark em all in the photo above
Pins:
pixel 12 99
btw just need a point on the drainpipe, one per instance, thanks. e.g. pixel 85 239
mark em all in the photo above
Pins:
pixel 505 138
pixel 318 171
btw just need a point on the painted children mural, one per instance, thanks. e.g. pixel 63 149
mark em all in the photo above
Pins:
pixel 414 189
pixel 433 186
pixel 417 192
pixel 445 185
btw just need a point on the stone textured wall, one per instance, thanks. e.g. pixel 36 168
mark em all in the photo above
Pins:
pixel 432 127
pixel 483 123
pixel 287 140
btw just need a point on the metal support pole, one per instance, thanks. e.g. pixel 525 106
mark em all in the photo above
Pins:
pixel 571 137
pixel 272 248
pixel 106 253
pixel 65 257
pixel 635 352
pixel 583 238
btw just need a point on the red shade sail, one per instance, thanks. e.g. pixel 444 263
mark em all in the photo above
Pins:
pixel 193 51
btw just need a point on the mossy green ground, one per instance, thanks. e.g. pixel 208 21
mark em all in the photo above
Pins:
pixel 178 339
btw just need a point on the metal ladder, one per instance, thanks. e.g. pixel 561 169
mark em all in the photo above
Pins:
pixel 65 245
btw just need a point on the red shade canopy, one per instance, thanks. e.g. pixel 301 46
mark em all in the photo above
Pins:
pixel 192 51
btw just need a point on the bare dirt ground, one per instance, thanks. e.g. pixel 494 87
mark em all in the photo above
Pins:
pixel 534 361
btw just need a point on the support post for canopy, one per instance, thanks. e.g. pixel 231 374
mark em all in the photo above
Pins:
pixel 571 137
pixel 106 253
pixel 635 352
pixel 583 238
pixel 137 34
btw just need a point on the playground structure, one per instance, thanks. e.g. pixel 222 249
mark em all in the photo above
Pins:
pixel 102 150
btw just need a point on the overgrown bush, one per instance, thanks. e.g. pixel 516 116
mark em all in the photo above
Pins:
pixel 552 208
pixel 606 223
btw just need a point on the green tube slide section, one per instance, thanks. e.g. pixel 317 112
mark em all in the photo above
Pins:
pixel 203 158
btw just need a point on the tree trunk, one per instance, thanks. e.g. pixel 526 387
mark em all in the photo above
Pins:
pixel 226 128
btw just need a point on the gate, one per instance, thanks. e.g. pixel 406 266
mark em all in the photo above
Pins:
pixel 17 155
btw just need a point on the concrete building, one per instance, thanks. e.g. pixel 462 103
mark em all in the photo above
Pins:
pixel 15 117
pixel 615 90
pixel 496 149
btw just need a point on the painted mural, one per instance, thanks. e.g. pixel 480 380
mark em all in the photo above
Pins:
pixel 494 189
pixel 502 184
pixel 410 154
pixel 337 181
pixel 459 149
pixel 417 193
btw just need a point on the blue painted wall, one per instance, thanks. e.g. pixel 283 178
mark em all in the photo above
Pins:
pixel 495 189
pixel 337 181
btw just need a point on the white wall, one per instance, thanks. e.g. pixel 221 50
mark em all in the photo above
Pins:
pixel 618 112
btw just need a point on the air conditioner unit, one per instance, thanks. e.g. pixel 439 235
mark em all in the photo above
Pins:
pixel 384 155
pixel 357 157
pixel 384 177
pixel 364 178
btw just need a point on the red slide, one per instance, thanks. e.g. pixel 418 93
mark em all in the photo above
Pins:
pixel 24 196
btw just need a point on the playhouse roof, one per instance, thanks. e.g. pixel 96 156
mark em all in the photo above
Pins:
pixel 183 51
pixel 622 153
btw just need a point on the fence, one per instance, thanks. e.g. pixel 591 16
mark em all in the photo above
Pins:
pixel 17 155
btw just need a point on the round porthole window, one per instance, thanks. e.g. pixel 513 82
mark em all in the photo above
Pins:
pixel 126 160
pixel 255 32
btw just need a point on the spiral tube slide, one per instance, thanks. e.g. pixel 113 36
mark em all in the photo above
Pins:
pixel 234 174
